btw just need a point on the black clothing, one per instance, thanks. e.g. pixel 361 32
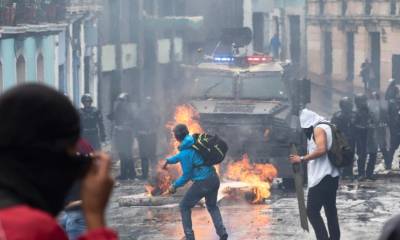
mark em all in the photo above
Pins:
pixel 124 144
pixel 324 195
pixel 394 126
pixel 147 125
pixel 92 126
pixel 392 91
pixel 368 76
pixel 147 151
pixel 37 125
pixel 365 127
pixel 345 123
pixel 380 113
pixel 123 119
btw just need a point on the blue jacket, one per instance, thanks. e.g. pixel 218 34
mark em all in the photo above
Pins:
pixel 189 159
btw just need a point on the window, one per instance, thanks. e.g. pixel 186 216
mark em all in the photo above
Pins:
pixel 368 7
pixel 321 7
pixel 266 87
pixel 393 7
pixel 21 70
pixel 344 7
pixel 213 86
pixel 40 68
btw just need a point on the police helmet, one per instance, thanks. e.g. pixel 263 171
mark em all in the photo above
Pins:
pixel 86 98
pixel 123 96
pixel 346 104
pixel 361 100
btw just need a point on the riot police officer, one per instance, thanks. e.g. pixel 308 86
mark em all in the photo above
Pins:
pixel 379 109
pixel 344 120
pixel 92 123
pixel 148 121
pixel 365 138
pixel 394 123
pixel 123 120
pixel 392 88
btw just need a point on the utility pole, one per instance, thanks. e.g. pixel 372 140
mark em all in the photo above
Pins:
pixel 118 53
pixel 141 47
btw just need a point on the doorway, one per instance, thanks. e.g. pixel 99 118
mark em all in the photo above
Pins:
pixel 328 53
pixel 350 56
pixel 295 38
pixel 258 31
pixel 276 25
pixel 21 69
pixel 375 40
pixel 396 67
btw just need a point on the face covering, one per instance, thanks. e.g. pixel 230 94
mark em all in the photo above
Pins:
pixel 35 167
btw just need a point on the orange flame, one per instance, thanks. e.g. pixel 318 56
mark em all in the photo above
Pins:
pixel 259 176
pixel 184 114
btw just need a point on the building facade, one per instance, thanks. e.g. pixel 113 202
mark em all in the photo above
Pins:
pixel 342 34
pixel 50 42
pixel 288 20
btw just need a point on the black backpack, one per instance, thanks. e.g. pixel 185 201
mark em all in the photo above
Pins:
pixel 340 155
pixel 210 147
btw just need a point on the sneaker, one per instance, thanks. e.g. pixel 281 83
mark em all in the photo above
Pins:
pixel 224 237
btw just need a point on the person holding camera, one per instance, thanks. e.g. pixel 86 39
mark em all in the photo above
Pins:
pixel 39 165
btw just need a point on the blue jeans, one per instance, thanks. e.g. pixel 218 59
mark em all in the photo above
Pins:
pixel 207 189
pixel 74 224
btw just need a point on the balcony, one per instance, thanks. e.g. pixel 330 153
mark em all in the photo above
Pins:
pixel 20 12
pixel 83 6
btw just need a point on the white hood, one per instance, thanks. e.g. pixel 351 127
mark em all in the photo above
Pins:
pixel 309 118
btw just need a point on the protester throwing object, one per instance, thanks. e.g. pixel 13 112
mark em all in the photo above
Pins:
pixel 205 183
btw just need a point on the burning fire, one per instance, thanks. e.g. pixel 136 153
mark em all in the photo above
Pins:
pixel 259 176
pixel 184 114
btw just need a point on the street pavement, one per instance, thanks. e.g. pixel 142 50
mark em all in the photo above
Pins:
pixel 363 208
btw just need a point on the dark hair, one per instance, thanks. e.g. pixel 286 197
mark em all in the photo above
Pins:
pixel 38 125
pixel 180 132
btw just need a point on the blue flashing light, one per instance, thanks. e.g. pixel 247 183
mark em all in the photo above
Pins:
pixel 224 59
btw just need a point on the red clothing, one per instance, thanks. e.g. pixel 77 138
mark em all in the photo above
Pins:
pixel 84 146
pixel 25 223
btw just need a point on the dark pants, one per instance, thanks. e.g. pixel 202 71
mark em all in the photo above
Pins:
pixel 207 189
pixel 382 145
pixel 371 164
pixel 361 149
pixel 348 171
pixel 147 150
pixel 124 143
pixel 93 138
pixel 394 144
pixel 324 195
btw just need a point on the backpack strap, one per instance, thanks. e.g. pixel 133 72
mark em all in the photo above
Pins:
pixel 196 136
pixel 328 124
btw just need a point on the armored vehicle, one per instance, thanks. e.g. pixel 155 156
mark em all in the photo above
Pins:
pixel 252 102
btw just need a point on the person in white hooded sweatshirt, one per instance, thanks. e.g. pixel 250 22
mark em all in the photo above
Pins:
pixel 323 177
